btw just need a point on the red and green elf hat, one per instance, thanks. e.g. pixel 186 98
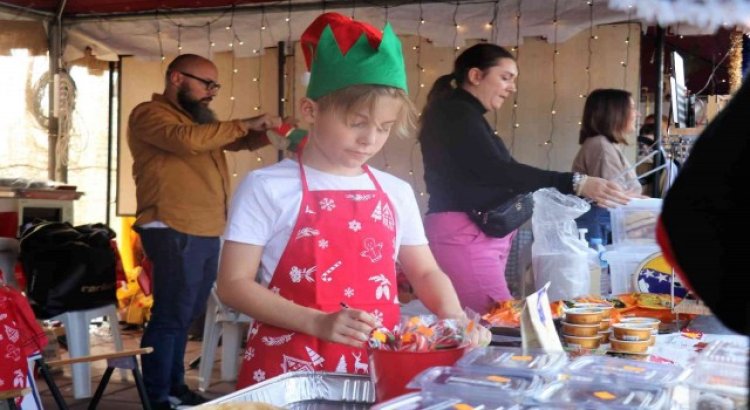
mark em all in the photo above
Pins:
pixel 340 52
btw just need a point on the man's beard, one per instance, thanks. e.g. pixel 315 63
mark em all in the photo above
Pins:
pixel 199 111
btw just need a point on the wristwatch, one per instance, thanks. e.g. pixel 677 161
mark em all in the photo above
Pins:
pixel 578 179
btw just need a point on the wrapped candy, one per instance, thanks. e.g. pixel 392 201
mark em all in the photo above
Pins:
pixel 426 333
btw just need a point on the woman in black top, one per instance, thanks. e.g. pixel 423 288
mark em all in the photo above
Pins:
pixel 467 167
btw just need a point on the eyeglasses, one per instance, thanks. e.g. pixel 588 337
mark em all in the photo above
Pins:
pixel 210 85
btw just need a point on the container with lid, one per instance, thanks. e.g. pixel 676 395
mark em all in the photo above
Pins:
pixel 719 380
pixel 424 401
pixel 534 361
pixel 634 224
pixel 463 381
pixel 593 368
pixel 615 396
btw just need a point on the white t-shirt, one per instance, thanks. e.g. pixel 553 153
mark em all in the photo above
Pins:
pixel 265 206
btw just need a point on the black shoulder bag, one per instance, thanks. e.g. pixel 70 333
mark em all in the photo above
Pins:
pixel 503 219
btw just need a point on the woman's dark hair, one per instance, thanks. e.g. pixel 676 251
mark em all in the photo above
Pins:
pixel 481 56
pixel 605 113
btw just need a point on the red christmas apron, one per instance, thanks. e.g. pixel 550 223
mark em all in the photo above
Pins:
pixel 342 249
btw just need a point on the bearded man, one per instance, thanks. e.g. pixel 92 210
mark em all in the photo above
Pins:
pixel 182 189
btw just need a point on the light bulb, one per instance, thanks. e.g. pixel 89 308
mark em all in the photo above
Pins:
pixel 256 108
pixel 242 42
pixel 234 174
pixel 255 79
pixel 231 45
pixel 262 27
pixel 228 27
pixel 213 44
pixel 231 98
pixel 421 21
pixel 287 19
pixel 179 47
pixel 554 112
pixel 236 71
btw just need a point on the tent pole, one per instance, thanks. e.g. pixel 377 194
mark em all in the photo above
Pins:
pixel 658 102
pixel 110 137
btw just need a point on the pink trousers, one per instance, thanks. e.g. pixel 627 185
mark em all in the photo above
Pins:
pixel 473 261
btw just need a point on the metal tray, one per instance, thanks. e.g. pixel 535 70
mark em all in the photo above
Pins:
pixel 309 391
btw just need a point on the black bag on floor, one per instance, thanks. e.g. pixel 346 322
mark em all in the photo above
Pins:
pixel 68 268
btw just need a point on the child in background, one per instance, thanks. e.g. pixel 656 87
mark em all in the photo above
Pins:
pixel 324 232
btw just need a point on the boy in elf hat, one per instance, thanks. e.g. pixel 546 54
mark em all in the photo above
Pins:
pixel 323 232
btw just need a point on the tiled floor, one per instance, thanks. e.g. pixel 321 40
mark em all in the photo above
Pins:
pixel 121 395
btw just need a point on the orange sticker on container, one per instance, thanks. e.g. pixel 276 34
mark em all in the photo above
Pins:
pixel 498 379
pixel 633 369
pixel 521 358
pixel 604 395
pixel 463 406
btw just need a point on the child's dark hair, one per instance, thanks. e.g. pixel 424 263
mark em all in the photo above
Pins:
pixel 481 56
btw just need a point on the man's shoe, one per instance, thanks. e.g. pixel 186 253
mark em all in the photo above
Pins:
pixel 183 396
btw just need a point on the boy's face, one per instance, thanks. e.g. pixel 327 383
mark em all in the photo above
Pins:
pixel 340 144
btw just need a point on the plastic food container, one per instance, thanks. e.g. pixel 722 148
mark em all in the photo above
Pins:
pixel 605 324
pixel 584 316
pixel 724 352
pixel 572 329
pixel 534 361
pixel 719 380
pixel 643 321
pixel 593 368
pixel 634 224
pixel 582 395
pixel 633 347
pixel 604 336
pixel 623 263
pixel 424 401
pixel 719 387
pixel 474 382
pixel 583 342
pixel 631 332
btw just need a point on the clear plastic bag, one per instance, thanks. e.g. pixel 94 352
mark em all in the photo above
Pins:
pixel 558 255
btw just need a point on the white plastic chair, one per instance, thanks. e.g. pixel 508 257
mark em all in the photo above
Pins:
pixel 231 326
pixel 8 256
pixel 77 332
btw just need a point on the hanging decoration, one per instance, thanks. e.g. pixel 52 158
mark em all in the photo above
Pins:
pixel 735 60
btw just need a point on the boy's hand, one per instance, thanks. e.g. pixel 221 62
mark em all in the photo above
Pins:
pixel 351 327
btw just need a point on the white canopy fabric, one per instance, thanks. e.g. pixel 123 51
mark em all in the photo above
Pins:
pixel 708 15
pixel 152 37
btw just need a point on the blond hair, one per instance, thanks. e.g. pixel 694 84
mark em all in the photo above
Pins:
pixel 349 100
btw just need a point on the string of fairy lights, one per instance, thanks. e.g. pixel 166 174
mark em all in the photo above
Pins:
pixel 491 26
pixel 549 143
pixel 624 63
pixel 517 50
pixel 420 85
